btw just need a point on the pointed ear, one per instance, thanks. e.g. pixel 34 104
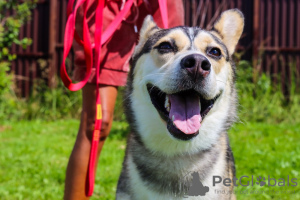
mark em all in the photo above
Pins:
pixel 147 28
pixel 230 26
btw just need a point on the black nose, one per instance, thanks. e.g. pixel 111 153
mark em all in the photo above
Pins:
pixel 196 65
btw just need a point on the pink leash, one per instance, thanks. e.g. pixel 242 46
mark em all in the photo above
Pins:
pixel 100 39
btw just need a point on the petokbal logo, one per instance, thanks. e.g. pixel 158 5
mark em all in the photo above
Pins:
pixel 251 181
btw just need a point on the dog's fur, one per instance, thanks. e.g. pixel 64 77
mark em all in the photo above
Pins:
pixel 157 164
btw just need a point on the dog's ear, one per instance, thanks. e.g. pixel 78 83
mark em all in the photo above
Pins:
pixel 230 26
pixel 148 27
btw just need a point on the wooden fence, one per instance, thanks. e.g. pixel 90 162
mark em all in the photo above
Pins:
pixel 271 37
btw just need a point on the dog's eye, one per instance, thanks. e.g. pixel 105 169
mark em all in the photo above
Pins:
pixel 165 47
pixel 214 52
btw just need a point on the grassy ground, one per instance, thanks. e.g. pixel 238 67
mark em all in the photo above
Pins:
pixel 34 156
pixel 262 150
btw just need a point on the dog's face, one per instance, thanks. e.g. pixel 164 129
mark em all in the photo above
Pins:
pixel 181 84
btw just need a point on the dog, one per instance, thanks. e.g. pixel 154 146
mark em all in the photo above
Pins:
pixel 180 101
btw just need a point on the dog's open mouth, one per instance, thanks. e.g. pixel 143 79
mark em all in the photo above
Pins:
pixel 183 111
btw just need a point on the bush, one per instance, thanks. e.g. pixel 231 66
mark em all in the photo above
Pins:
pixel 52 103
pixel 43 103
pixel 263 101
pixel 10 27
pixel 8 101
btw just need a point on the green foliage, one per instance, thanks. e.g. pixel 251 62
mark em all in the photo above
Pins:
pixel 49 104
pixel 5 79
pixel 263 101
pixel 10 26
pixel 43 102
pixel 9 103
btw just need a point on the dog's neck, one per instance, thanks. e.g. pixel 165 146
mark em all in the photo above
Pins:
pixel 174 173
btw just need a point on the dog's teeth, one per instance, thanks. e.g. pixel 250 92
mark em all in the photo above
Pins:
pixel 167 104
pixel 173 118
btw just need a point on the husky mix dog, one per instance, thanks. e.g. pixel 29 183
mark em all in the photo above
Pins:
pixel 180 102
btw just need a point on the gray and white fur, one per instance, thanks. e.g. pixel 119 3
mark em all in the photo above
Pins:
pixel 157 164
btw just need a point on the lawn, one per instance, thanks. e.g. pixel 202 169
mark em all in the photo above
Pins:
pixel 34 156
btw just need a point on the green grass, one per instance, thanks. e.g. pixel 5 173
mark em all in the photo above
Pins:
pixel 34 155
pixel 265 149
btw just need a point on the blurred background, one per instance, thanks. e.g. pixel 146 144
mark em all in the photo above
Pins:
pixel 39 118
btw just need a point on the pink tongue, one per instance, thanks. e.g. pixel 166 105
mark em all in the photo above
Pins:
pixel 185 113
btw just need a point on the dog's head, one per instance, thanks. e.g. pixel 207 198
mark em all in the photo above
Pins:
pixel 181 84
